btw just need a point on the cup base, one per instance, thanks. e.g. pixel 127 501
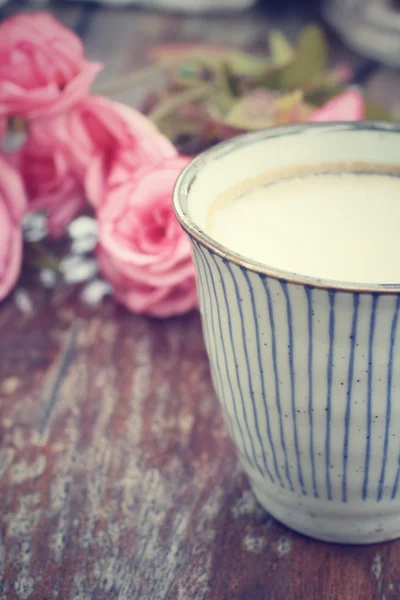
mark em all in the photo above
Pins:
pixel 330 521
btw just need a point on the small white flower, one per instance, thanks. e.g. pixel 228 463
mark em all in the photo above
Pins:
pixel 83 232
pixel 82 227
pixel 83 245
pixel 94 292
pixel 23 301
pixel 34 227
pixel 77 269
pixel 48 277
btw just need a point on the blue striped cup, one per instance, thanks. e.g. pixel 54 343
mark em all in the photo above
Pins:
pixel 307 371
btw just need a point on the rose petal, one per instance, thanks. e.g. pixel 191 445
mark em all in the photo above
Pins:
pixel 142 251
pixel 43 71
pixel 349 106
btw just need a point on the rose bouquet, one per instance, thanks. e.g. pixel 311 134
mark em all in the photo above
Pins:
pixel 65 153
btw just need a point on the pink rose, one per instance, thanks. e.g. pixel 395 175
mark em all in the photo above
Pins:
pixel 142 250
pixel 3 132
pixel 12 206
pixel 43 70
pixel 348 106
pixel 53 172
pixel 81 145
pixel 123 140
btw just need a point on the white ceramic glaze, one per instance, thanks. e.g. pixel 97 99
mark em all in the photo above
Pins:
pixel 307 370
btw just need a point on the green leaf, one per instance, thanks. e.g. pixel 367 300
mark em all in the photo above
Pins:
pixel 36 255
pixel 187 75
pixel 281 51
pixel 309 61
pixel 291 108
pixel 246 65
pixel 214 92
pixel 320 95
pixel 261 109
pixel 253 112
pixel 238 62
pixel 373 112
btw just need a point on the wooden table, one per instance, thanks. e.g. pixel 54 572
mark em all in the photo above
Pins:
pixel 117 476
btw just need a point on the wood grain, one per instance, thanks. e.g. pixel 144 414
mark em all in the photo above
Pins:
pixel 118 479
pixel 117 476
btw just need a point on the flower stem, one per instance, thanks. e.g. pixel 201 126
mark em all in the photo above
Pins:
pixel 164 109
pixel 39 258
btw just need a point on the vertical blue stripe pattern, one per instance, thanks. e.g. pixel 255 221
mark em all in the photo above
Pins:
pixel 350 378
pixel 293 384
pixel 393 333
pixel 375 299
pixel 300 372
pixel 396 481
pixel 276 379
pixel 308 291
pixel 263 391
pixel 211 332
pixel 331 347
pixel 243 440
pixel 248 442
pixel 248 369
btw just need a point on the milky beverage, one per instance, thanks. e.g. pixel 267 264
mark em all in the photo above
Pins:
pixel 340 222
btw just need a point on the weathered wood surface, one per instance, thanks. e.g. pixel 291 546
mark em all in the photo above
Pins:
pixel 117 477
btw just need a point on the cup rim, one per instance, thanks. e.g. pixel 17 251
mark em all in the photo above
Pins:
pixel 196 233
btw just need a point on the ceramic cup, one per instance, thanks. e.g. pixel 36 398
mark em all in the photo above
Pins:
pixel 307 370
